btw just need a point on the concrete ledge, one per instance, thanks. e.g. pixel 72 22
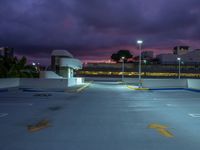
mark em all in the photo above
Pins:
pixel 29 84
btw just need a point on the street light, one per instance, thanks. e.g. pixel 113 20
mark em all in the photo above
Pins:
pixel 123 68
pixel 179 67
pixel 139 42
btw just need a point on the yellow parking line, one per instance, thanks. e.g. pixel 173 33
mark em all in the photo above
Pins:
pixel 134 88
pixel 83 87
pixel 162 129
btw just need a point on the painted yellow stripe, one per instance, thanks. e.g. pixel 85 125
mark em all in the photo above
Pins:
pixel 38 126
pixel 133 88
pixel 83 87
pixel 165 133
pixel 157 126
pixel 162 129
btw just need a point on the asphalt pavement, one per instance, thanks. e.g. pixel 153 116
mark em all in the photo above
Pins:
pixel 103 116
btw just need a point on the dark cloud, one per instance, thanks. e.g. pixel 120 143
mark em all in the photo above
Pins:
pixel 35 27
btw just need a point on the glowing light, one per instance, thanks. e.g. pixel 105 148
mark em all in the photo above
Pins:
pixel 153 74
pixel 139 41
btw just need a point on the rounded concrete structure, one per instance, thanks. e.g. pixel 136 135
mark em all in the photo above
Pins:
pixel 62 53
pixel 64 64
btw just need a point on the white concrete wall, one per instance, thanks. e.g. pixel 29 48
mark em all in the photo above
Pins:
pixel 44 83
pixel 70 62
pixel 9 83
pixel 160 83
pixel 49 75
pixel 64 83
pixel 149 83
pixel 75 81
pixel 80 81
pixel 193 83
pixel 50 83
pixel 71 82
pixel 102 79
pixel 164 83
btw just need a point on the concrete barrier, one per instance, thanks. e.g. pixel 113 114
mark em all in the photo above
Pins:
pixel 43 83
pixel 164 83
pixel 147 83
pixel 49 75
pixel 64 83
pixel 49 83
pixel 9 83
pixel 75 81
pixel 193 83
pixel 102 79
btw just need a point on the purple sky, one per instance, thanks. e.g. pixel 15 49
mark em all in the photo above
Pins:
pixel 94 29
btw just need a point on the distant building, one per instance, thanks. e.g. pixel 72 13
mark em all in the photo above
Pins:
pixel 63 63
pixel 167 58
pixel 6 52
pixel 192 57
pixel 187 57
pixel 147 55
pixel 180 50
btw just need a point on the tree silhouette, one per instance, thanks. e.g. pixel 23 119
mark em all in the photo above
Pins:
pixel 11 67
pixel 121 53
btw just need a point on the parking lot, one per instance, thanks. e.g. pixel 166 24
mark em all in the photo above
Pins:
pixel 105 115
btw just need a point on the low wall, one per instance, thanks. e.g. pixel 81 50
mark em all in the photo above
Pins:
pixel 64 83
pixel 44 83
pixel 148 83
pixel 102 79
pixel 75 81
pixel 52 75
pixel 9 83
pixel 50 83
pixel 193 83
pixel 164 83
pixel 49 75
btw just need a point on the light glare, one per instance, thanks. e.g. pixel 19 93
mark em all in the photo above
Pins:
pixel 139 41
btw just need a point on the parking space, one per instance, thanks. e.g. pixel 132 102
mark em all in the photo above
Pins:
pixel 106 115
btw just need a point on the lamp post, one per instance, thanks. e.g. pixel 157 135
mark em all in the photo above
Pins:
pixel 123 68
pixel 179 67
pixel 139 42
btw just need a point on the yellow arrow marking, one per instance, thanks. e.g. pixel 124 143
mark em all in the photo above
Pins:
pixel 157 126
pixel 134 88
pixel 165 132
pixel 161 129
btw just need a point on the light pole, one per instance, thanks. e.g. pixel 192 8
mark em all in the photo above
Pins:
pixel 123 68
pixel 139 42
pixel 179 67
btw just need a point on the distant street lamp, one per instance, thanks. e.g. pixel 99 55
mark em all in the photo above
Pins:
pixel 179 67
pixel 123 68
pixel 33 63
pixel 139 42
pixel 36 66
pixel 145 62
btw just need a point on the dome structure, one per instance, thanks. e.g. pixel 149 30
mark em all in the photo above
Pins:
pixel 63 63
pixel 62 53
